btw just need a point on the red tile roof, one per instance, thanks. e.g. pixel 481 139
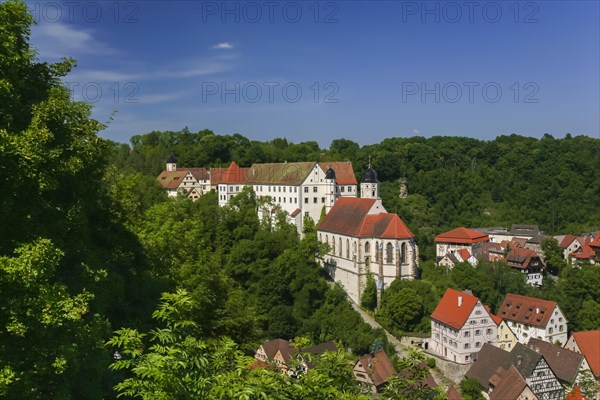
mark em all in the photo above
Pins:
pixel 234 174
pixel 450 313
pixel 524 310
pixel 462 235
pixel 520 257
pixel 350 216
pixel 568 239
pixel 200 174
pixel 216 175
pixel 453 393
pixel 378 366
pixel 464 254
pixel 385 226
pixel 171 179
pixel 497 320
pixel 509 384
pixel 344 173
pixel 589 345
pixel 585 252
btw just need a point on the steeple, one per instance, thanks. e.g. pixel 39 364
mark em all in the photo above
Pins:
pixel 172 163
pixel 369 187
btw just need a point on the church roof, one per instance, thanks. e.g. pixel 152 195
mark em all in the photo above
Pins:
pixel 351 217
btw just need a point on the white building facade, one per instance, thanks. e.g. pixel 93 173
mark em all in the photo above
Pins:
pixel 460 325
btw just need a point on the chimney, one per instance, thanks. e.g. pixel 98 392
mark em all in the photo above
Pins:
pixel 459 301
pixel 519 360
pixel 537 310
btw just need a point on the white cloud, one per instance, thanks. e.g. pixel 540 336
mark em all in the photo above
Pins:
pixel 59 40
pixel 223 46
pixel 161 97
pixel 101 75
pixel 416 131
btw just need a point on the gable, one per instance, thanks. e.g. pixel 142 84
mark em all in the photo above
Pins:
pixel 455 308
pixel 347 215
pixel 344 173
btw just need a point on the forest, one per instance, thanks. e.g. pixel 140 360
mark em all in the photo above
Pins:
pixel 110 288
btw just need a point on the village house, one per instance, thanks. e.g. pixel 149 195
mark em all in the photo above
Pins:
pixel 565 364
pixel 373 370
pixel 451 259
pixel 279 353
pixel 587 343
pixel 192 182
pixel 529 317
pixel 528 371
pixel 458 239
pixel 460 326
pixel 528 262
pixel 517 231
pixel 506 337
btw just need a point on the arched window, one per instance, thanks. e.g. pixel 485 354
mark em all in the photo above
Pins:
pixel 320 237
pixel 340 244
pixel 377 255
pixel 333 245
pixel 367 248
pixel 389 253
pixel 347 248
pixel 403 249
pixel 327 239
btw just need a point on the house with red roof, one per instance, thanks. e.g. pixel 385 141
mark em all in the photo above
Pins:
pixel 587 343
pixel 373 370
pixel 462 238
pixel 364 239
pixel 528 262
pixel 529 317
pixel 460 325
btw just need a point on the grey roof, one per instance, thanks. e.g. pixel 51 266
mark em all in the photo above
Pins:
pixel 370 176
pixel 565 363
pixel 525 230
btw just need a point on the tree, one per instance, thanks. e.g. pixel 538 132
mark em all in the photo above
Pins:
pixel 171 362
pixel 554 256
pixel 369 296
pixel 42 326
pixel 471 389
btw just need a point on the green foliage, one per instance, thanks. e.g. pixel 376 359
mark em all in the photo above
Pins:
pixel 554 256
pixel 172 362
pixel 471 389
pixel 44 321
pixel 369 296
pixel 409 383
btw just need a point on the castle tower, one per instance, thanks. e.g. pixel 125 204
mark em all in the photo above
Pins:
pixel 369 187
pixel 172 164
pixel 330 194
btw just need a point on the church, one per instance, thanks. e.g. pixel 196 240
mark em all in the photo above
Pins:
pixel 365 239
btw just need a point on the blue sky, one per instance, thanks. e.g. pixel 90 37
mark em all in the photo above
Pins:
pixel 309 70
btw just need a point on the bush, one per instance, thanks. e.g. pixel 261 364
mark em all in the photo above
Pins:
pixel 431 362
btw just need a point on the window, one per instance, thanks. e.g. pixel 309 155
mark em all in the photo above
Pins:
pixel 489 331
pixel 389 253
pixel 550 330
pixel 560 328
pixel 478 312
pixel 315 189
pixel 477 332
pixel 315 200
pixel 347 248
pixel 306 213
pixel 322 199
pixel 349 188
pixel 284 189
pixel 403 255
pixel 483 321
pixel 305 189
pixel 342 189
pixel 478 344
pixel 284 199
pixel 295 189
pixel 333 245
pixel 467 345
pixel 367 248
pixel 466 335
pixel 306 200
pixel 279 189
